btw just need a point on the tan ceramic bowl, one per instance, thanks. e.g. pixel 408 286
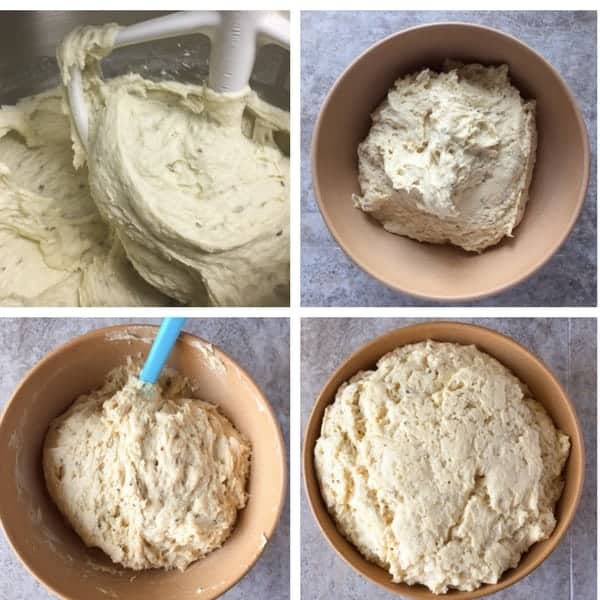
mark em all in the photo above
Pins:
pixel 46 544
pixel 445 272
pixel 545 388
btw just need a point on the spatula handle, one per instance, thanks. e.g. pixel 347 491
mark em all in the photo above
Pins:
pixel 161 348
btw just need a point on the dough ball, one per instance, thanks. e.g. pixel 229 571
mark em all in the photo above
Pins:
pixel 439 466
pixel 449 157
pixel 146 473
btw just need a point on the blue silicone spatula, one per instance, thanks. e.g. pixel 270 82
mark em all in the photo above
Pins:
pixel 161 348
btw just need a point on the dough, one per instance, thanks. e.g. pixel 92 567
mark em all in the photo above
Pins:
pixel 439 466
pixel 182 197
pixel 54 247
pixel 147 474
pixel 449 157
pixel 193 181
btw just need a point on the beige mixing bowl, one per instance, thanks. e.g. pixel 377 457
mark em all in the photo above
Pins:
pixel 43 540
pixel 446 272
pixel 545 388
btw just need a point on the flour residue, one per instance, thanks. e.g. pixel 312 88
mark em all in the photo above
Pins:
pixel 128 335
pixel 211 358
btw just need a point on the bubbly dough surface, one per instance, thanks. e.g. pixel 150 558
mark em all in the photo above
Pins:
pixel 449 157
pixel 439 466
pixel 147 474
pixel 181 197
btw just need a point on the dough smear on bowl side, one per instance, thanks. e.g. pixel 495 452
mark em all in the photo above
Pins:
pixel 449 157
pixel 146 473
pixel 181 197
pixel 439 466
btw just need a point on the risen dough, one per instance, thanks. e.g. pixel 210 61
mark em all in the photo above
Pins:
pixel 439 466
pixel 449 157
pixel 150 476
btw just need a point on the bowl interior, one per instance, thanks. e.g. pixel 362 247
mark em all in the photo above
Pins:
pixel 31 38
pixel 42 538
pixel 545 389
pixel 445 272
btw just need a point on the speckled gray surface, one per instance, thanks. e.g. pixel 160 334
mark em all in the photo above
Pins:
pixel 260 345
pixel 568 347
pixel 330 41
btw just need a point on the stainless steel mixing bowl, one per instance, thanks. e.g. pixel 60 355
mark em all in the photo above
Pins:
pixel 28 65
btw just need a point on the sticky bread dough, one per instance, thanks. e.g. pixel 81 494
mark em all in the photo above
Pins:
pixel 55 249
pixel 449 157
pixel 439 466
pixel 200 208
pixel 195 183
pixel 150 476
pixel 133 224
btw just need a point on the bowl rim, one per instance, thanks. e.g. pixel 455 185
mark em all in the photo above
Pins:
pixel 450 297
pixel 312 489
pixel 184 337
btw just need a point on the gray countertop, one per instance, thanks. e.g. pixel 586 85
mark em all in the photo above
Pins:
pixel 260 345
pixel 568 347
pixel 331 40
